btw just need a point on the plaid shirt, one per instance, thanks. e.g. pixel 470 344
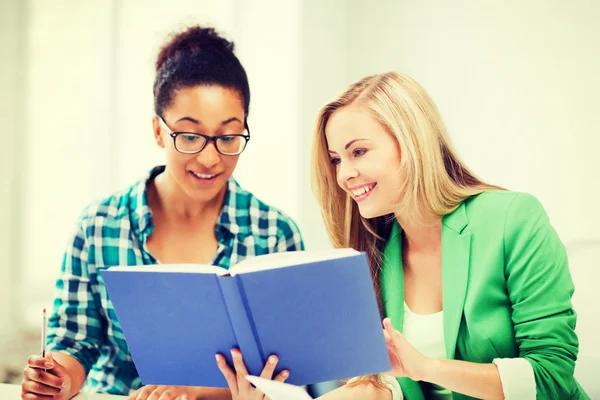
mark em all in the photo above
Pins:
pixel 115 232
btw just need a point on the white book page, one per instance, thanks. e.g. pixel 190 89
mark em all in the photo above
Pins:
pixel 179 268
pixel 287 259
pixel 275 390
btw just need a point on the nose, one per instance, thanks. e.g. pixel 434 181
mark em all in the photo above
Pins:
pixel 346 171
pixel 209 156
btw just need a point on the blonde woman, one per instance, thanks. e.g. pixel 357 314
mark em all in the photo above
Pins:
pixel 473 279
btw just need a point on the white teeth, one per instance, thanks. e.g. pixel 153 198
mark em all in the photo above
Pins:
pixel 362 190
pixel 203 176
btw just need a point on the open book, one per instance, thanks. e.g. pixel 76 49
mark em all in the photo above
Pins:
pixel 317 311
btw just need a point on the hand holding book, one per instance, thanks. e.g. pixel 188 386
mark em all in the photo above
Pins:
pixel 236 379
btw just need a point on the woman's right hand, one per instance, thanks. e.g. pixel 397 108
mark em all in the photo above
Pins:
pixel 241 389
pixel 39 384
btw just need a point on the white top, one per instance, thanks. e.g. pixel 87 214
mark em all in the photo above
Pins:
pixel 426 334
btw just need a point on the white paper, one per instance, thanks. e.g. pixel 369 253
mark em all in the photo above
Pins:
pixel 251 264
pixel 275 390
pixel 288 259
pixel 176 268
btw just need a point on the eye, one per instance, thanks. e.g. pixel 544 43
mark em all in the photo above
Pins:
pixel 190 138
pixel 335 161
pixel 359 152
pixel 227 139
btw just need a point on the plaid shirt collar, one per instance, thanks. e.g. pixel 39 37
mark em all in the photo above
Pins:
pixel 236 198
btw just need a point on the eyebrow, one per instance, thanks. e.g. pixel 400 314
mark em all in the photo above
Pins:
pixel 195 121
pixel 348 144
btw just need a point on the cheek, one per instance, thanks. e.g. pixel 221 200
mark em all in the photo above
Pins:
pixel 176 159
pixel 336 171
pixel 229 162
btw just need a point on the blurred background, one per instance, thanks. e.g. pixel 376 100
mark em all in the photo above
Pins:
pixel 516 82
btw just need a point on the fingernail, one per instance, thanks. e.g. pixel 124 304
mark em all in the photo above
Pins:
pixel 285 374
pixel 272 360
pixel 184 397
pixel 48 365
pixel 218 358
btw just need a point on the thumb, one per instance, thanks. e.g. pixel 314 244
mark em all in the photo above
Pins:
pixel 49 361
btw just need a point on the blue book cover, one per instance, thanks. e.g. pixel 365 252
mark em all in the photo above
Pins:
pixel 317 311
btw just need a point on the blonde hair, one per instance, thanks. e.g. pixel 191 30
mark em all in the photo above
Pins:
pixel 436 181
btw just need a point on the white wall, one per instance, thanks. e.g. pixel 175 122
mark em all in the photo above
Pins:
pixel 515 82
pixel 324 74
pixel 267 36
pixel 517 85
pixel 66 136
pixel 11 115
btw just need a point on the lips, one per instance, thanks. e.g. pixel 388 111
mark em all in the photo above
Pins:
pixel 361 192
pixel 204 178
pixel 362 189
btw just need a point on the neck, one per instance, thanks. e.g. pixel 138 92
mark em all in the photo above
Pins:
pixel 423 236
pixel 176 204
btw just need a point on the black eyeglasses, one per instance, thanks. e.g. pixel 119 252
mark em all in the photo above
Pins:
pixel 192 143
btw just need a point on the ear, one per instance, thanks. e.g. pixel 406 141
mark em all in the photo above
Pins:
pixel 158 136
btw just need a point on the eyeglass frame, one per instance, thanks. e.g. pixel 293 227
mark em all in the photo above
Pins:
pixel 207 138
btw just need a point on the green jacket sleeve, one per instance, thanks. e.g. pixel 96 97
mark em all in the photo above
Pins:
pixel 540 288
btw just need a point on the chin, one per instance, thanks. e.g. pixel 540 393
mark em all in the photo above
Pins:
pixel 369 212
pixel 204 195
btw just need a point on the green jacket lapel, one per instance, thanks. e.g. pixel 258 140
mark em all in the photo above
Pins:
pixel 392 279
pixel 392 291
pixel 456 247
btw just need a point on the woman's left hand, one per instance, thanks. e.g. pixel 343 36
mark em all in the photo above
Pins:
pixel 405 359
pixel 240 387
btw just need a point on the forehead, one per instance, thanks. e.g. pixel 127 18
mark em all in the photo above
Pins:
pixel 351 122
pixel 207 102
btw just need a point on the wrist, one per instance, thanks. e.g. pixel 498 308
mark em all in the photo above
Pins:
pixel 431 370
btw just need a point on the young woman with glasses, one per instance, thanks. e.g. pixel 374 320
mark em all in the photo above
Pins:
pixel 190 210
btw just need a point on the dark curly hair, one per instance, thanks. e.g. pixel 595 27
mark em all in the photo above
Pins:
pixel 198 56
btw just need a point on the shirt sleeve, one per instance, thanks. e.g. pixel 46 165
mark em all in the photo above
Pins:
pixel 540 288
pixel 518 380
pixel 289 237
pixel 75 326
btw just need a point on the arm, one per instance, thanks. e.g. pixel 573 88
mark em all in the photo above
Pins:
pixel 204 393
pixel 358 392
pixel 540 288
pixel 475 380
pixel 75 327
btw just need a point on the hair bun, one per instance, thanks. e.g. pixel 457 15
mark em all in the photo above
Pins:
pixel 193 39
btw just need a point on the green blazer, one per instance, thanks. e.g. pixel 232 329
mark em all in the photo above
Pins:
pixel 506 291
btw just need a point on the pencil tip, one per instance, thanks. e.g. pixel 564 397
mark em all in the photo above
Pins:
pixel 44 310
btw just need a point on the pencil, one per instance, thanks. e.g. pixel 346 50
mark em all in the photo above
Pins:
pixel 44 335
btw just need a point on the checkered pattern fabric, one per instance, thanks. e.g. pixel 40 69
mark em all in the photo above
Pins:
pixel 114 232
